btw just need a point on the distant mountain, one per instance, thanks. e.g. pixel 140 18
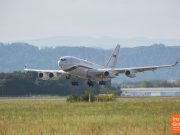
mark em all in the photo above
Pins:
pixel 14 56
pixel 102 42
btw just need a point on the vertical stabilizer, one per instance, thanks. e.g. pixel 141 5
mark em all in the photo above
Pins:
pixel 113 59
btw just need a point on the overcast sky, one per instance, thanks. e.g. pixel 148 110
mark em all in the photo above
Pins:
pixel 33 19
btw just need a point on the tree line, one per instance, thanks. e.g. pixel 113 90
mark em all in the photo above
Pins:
pixel 27 84
pixel 150 84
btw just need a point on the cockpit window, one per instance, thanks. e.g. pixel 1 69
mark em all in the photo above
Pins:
pixel 63 59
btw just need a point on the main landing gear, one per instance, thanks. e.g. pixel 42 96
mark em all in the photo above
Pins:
pixel 102 83
pixel 90 83
pixel 75 83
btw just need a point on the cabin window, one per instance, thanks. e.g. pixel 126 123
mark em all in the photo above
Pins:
pixel 63 59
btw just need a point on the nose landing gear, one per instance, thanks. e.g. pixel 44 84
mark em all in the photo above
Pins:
pixel 68 76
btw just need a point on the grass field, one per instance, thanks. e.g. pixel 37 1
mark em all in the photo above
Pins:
pixel 142 116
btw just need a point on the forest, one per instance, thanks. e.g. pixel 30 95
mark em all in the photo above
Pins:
pixel 27 84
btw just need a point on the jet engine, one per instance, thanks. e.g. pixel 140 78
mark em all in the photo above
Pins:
pixel 54 76
pixel 108 74
pixel 43 76
pixel 130 73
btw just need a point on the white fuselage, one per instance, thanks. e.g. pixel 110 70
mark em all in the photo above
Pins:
pixel 81 68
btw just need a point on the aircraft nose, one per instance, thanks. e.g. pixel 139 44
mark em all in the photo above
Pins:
pixel 59 63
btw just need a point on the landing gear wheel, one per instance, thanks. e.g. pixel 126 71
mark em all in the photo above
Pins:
pixel 75 83
pixel 90 83
pixel 102 83
pixel 68 76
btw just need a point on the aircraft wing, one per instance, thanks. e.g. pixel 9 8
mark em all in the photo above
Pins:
pixel 46 71
pixel 130 72
pixel 142 69
pixel 47 74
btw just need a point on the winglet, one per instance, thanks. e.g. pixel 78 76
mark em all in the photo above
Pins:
pixel 176 62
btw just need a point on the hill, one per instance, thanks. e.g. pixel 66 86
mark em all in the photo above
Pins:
pixel 14 56
pixel 104 42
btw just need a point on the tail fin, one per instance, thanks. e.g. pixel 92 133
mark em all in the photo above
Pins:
pixel 113 59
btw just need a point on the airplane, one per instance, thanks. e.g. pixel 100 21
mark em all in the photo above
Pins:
pixel 70 66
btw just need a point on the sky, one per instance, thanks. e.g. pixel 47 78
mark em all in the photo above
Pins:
pixel 34 19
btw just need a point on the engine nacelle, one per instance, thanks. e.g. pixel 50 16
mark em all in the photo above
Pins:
pixel 106 73
pixel 43 76
pixel 130 73
pixel 54 76
pixel 109 74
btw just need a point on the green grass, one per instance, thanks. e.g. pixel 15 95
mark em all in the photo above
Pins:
pixel 143 116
